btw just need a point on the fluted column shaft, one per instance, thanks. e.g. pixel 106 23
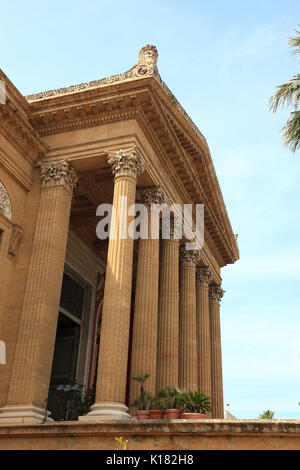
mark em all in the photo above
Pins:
pixel 168 322
pixel 204 276
pixel 113 352
pixel 145 325
pixel 33 358
pixel 187 323
pixel 216 354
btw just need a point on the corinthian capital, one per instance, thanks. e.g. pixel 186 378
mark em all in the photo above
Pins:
pixel 126 163
pixel 204 276
pixel 57 174
pixel 215 293
pixel 189 257
pixel 152 195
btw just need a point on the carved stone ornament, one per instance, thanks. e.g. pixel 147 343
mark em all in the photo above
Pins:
pixel 58 173
pixel 151 195
pixel 5 204
pixel 204 276
pixel 126 162
pixel 146 65
pixel 189 257
pixel 216 293
pixel 16 236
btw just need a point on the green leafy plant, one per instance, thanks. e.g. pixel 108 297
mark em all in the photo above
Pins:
pixel 268 414
pixel 142 402
pixel 173 399
pixel 73 400
pixel 288 94
pixel 158 402
pixel 195 402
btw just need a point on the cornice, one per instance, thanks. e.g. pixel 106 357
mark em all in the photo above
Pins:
pixel 78 119
pixel 145 66
pixel 15 123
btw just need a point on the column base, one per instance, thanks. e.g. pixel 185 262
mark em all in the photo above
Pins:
pixel 107 412
pixel 23 414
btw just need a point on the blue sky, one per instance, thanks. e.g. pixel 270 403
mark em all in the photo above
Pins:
pixel 222 60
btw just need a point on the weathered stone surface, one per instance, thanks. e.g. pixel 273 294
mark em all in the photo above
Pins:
pixel 176 435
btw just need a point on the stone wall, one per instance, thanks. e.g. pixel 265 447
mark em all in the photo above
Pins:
pixel 156 435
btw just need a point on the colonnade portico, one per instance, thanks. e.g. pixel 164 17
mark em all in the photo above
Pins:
pixel 172 322
pixel 176 337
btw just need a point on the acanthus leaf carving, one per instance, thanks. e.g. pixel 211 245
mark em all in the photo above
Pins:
pixel 57 173
pixel 5 203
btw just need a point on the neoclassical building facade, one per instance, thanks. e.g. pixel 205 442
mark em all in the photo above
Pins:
pixel 77 308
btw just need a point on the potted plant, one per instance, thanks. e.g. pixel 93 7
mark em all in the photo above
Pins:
pixel 157 405
pixel 73 400
pixel 173 403
pixel 195 405
pixel 141 403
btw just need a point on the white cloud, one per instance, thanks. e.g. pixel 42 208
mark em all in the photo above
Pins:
pixel 239 46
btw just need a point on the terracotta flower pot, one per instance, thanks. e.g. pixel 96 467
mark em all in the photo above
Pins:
pixel 173 413
pixel 193 416
pixel 156 414
pixel 142 414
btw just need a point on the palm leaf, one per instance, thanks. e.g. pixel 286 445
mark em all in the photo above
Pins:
pixel 291 132
pixel 294 43
pixel 286 94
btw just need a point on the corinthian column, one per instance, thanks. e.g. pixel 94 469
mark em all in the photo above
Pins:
pixel 168 317
pixel 215 295
pixel 203 278
pixel 113 354
pixel 187 324
pixel 144 340
pixel 30 378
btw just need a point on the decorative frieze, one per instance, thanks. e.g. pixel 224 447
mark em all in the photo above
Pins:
pixel 204 276
pixel 126 163
pixel 5 204
pixel 215 293
pixel 146 65
pixel 59 173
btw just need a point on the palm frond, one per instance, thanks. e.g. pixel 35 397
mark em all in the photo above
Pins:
pixel 294 43
pixel 286 94
pixel 291 132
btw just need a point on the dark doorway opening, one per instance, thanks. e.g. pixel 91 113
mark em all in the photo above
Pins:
pixel 67 346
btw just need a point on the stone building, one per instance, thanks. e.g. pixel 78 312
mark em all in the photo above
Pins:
pixel 75 308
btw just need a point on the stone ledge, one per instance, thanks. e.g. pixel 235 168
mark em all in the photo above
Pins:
pixel 160 434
